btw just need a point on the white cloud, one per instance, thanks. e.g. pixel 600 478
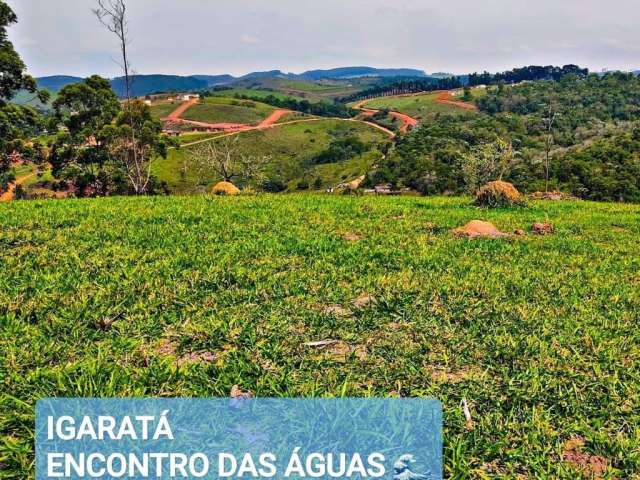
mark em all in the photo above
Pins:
pixel 201 36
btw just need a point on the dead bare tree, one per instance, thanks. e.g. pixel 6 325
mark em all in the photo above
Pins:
pixel 225 160
pixel 112 14
pixel 548 122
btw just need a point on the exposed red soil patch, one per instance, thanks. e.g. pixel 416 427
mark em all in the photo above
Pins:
pixel 446 98
pixel 275 116
pixel 543 228
pixel 8 195
pixel 178 112
pixel 479 229
pixel 592 465
pixel 407 121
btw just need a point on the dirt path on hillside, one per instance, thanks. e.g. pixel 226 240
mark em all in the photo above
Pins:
pixel 228 129
pixel 176 118
pixel 8 195
pixel 177 113
pixel 446 98
pixel 407 121
pixel 292 122
pixel 275 116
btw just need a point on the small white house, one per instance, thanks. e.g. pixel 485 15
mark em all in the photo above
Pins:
pixel 190 96
pixel 147 102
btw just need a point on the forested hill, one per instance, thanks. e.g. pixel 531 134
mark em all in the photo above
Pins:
pixel 148 84
pixel 594 152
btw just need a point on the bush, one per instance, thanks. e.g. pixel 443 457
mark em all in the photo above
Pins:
pixel 274 185
pixel 498 194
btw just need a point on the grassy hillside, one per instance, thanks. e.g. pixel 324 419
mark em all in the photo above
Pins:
pixel 292 148
pixel 421 106
pixel 24 97
pixel 253 93
pixel 164 108
pixel 189 296
pixel 228 110
pixel 310 90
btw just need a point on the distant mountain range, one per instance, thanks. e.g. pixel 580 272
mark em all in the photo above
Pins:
pixel 147 84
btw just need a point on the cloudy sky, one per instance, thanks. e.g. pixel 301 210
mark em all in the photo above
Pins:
pixel 239 36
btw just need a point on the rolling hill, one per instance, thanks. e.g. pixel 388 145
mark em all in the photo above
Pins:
pixel 156 83
pixel 57 82
pixel 356 72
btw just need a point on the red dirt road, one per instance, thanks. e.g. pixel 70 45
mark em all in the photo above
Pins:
pixel 446 98
pixel 176 117
pixel 407 121
pixel 269 122
pixel 178 112
pixel 275 116
pixel 8 195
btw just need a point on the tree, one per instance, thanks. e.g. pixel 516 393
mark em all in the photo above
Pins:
pixel 80 152
pixel 468 96
pixel 486 162
pixel 144 135
pixel 225 160
pixel 135 151
pixel 16 122
pixel 548 122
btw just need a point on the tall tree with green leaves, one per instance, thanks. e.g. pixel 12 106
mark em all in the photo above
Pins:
pixel 144 137
pixel 80 153
pixel 16 122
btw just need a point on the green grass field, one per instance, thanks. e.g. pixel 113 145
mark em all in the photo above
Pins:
pixel 254 93
pixel 290 146
pixel 422 106
pixel 326 90
pixel 161 110
pixel 228 110
pixel 190 296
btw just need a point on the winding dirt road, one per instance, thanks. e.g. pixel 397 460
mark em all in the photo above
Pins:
pixel 8 195
pixel 444 97
pixel 227 129
pixel 407 121
pixel 175 117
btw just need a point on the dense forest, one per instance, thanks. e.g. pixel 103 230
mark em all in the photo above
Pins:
pixel 524 74
pixel 401 86
pixel 590 127
pixel 321 109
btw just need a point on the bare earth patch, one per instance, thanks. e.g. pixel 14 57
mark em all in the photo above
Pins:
pixel 543 228
pixel 237 392
pixel 338 350
pixel 337 311
pixel 456 376
pixel 351 237
pixel 479 229
pixel 593 466
pixel 168 348
pixel 363 300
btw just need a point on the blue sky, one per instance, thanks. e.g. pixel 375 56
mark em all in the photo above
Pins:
pixel 238 36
